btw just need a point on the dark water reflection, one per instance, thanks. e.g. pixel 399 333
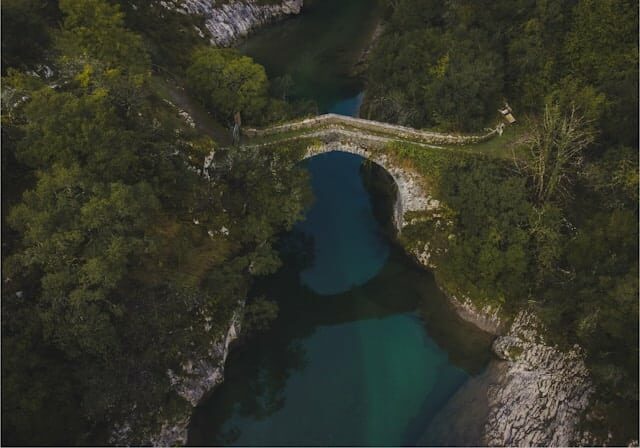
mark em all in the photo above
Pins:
pixel 317 50
pixel 366 350
pixel 367 366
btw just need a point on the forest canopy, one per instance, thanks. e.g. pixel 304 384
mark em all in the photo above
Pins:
pixel 121 251
pixel 551 224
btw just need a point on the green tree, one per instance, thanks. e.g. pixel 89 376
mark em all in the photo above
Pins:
pixel 534 51
pixel 93 31
pixel 602 48
pixel 489 255
pixel 258 315
pixel 228 83
pixel 25 31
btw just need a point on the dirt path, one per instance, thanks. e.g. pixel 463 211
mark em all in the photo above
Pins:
pixel 203 120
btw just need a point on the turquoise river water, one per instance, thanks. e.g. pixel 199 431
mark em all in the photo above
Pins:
pixel 365 349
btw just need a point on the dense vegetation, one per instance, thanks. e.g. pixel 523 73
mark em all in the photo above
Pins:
pixel 122 255
pixel 556 227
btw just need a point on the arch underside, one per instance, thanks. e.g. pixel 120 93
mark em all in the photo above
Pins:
pixel 411 196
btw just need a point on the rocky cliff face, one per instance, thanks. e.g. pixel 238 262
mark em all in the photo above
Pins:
pixel 533 395
pixel 230 20
pixel 194 380
pixel 540 395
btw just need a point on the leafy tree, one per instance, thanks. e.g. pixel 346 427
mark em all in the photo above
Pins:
pixel 489 253
pixel 258 315
pixel 95 29
pixel 125 254
pixel 431 75
pixel 534 53
pixel 602 49
pixel 229 83
pixel 615 176
pixel 25 32
pixel 154 22
pixel 466 84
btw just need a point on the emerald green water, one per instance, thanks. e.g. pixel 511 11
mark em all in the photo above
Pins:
pixel 365 350
pixel 318 50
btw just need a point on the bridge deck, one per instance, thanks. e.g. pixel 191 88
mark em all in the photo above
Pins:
pixel 362 127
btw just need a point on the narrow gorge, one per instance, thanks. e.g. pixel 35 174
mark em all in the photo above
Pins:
pixel 527 395
pixel 320 223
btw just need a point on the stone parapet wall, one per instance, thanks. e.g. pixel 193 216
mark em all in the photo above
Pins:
pixel 372 127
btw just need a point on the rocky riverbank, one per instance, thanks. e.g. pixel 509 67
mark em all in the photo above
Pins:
pixel 541 393
pixel 531 395
pixel 191 383
pixel 228 21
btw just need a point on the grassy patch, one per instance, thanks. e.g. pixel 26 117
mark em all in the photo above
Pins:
pixel 502 146
pixel 514 352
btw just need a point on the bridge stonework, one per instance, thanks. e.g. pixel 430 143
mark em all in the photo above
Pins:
pixel 331 132
pixel 410 195
pixel 383 130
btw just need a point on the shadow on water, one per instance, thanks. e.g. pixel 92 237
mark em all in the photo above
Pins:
pixel 371 365
pixel 465 344
pixel 366 350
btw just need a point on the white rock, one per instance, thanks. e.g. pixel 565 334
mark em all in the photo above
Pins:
pixel 230 21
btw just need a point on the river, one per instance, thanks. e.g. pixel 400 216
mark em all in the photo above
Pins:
pixel 365 349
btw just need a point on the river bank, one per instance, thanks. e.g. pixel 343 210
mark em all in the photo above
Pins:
pixel 510 418
pixel 532 393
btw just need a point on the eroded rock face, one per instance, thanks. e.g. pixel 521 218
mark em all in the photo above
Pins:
pixel 194 380
pixel 532 395
pixel 487 318
pixel 540 396
pixel 199 377
pixel 230 20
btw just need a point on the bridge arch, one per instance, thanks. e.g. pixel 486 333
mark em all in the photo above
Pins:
pixel 367 138
pixel 410 195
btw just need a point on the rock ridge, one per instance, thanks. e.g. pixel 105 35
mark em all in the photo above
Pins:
pixel 194 381
pixel 533 394
pixel 228 21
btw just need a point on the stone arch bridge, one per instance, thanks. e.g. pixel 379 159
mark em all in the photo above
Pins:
pixel 367 138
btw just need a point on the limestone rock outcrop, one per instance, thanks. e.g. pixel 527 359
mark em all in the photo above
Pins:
pixel 540 396
pixel 533 395
pixel 193 382
pixel 227 21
